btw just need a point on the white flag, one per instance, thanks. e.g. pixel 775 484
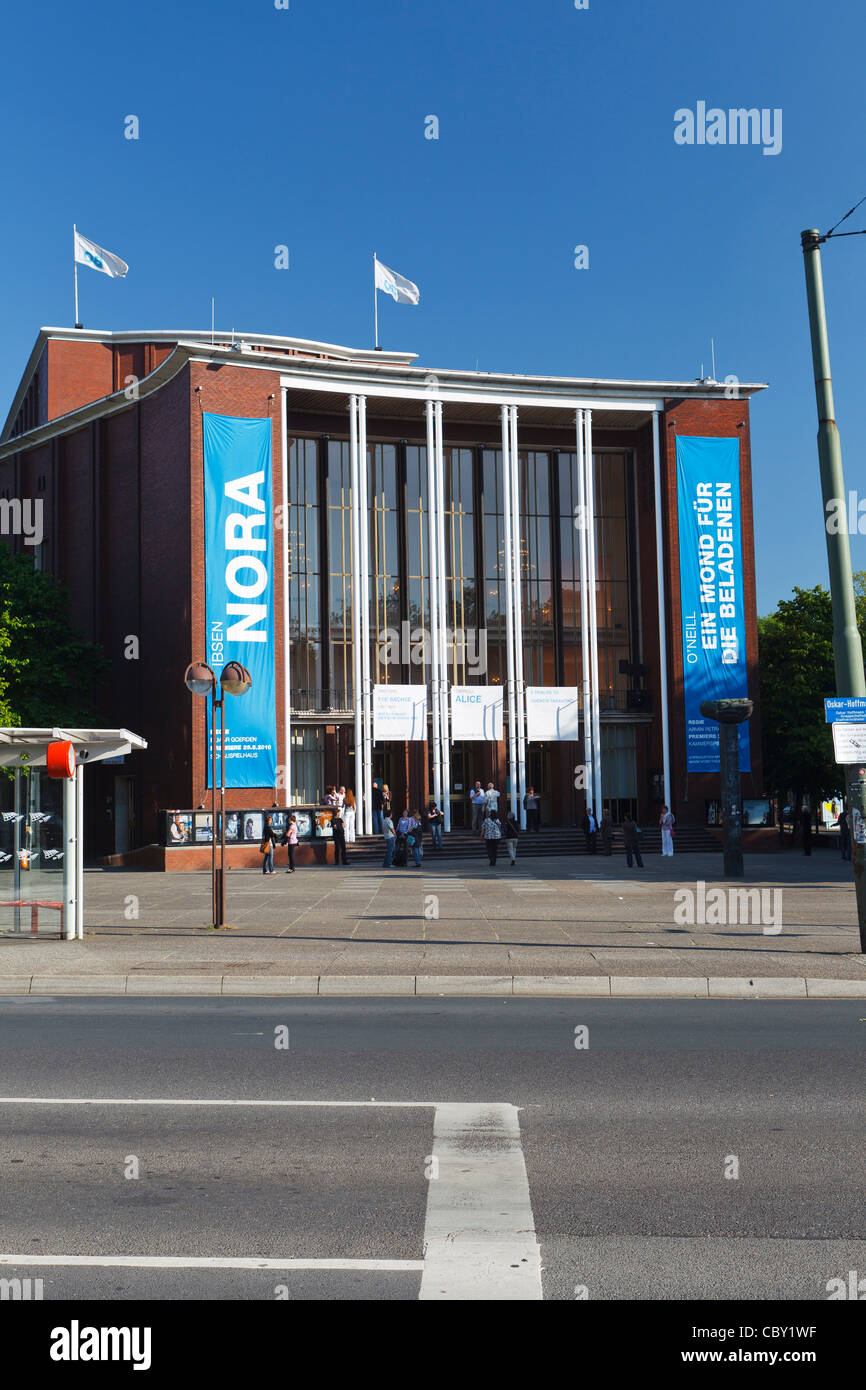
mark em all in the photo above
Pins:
pixel 88 253
pixel 399 288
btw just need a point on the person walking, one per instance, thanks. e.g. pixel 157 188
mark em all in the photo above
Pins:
pixel 290 839
pixel 376 803
pixel 491 834
pixel 434 820
pixel 590 830
pixel 606 829
pixel 266 848
pixel 338 826
pixel 390 842
pixel 631 840
pixel 844 834
pixel 806 822
pixel 667 821
pixel 510 833
pixel 414 839
pixel 532 806
pixel 479 803
pixel 349 817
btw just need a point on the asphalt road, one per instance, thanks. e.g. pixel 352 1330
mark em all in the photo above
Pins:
pixel 615 1153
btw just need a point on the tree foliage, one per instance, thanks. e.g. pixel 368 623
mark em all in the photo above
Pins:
pixel 49 674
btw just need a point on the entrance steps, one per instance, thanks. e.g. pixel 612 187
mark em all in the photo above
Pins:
pixel 463 844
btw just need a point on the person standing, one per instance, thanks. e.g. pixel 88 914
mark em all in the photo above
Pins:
pixel 491 800
pixel 479 803
pixel 491 834
pixel 510 832
pixel 349 817
pixel 532 806
pixel 290 840
pixel 434 820
pixel 631 840
pixel 390 842
pixel 404 830
pixel 338 827
pixel 806 822
pixel 590 829
pixel 415 837
pixel 330 796
pixel 376 802
pixel 844 834
pixel 386 800
pixel 606 829
pixel 667 821
pixel 266 848
pixel 340 797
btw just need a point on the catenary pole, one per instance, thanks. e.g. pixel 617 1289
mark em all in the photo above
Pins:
pixel 847 647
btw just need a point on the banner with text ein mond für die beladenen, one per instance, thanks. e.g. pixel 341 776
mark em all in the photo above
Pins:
pixel 712 602
pixel 239 589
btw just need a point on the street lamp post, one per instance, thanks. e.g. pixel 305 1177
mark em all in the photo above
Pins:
pixel 729 715
pixel 847 647
pixel 234 679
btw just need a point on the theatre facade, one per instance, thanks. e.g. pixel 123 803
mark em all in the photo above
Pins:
pixel 433 577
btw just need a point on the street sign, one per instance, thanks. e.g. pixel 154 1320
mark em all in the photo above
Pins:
pixel 849 742
pixel 845 709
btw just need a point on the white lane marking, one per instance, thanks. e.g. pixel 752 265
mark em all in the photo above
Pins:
pixel 205 1262
pixel 161 1100
pixel 479 1232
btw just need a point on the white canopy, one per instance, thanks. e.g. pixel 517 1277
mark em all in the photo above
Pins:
pixel 27 747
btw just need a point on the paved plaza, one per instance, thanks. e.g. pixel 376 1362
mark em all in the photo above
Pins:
pixel 558 916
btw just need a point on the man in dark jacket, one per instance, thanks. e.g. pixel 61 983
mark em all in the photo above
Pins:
pixel 806 822
pixel 338 827
pixel 631 840
pixel 590 829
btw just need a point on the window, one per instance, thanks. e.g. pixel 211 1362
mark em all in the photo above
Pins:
pixel 539 665
pixel 305 630
pixel 308 766
pixel 340 573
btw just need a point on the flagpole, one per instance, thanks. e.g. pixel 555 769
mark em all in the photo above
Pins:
pixel 375 307
pixel 75 273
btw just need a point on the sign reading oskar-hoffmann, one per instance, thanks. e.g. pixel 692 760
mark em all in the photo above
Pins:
pixel 711 591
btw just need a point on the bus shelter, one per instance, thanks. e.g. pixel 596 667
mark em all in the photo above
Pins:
pixel 42 824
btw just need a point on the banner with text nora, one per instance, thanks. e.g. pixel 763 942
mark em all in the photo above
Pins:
pixel 711 591
pixel 239 590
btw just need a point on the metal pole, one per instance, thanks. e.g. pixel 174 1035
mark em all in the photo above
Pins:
pixel 365 807
pixel 443 617
pixel 287 646
pixel 70 858
pixel 847 647
pixel 433 504
pixel 509 610
pixel 222 822
pixel 663 640
pixel 375 306
pixel 213 806
pixel 16 852
pixel 79 853
pixel 75 270
pixel 586 665
pixel 593 612
pixel 357 678
pixel 516 560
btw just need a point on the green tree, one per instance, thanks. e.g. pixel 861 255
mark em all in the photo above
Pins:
pixel 49 675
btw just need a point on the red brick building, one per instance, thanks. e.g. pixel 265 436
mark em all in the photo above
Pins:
pixel 106 431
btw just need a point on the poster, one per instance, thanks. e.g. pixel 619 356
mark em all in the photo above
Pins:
pixel 399 712
pixel 711 592
pixel 477 712
pixel 239 590
pixel 552 713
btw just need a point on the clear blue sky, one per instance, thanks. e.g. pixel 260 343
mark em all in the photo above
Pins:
pixel 305 126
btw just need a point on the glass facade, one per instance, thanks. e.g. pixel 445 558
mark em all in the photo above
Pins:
pixel 305 629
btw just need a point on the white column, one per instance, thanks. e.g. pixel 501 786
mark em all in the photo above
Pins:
pixel 287 649
pixel 433 599
pixel 663 640
pixel 516 554
pixel 443 619
pixel 509 608
pixel 356 609
pixel 586 665
pixel 79 852
pixel 365 821
pixel 70 857
pixel 593 612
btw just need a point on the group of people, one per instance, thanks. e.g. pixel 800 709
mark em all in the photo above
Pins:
pixel 271 838
pixel 483 800
pixel 407 836
pixel 631 834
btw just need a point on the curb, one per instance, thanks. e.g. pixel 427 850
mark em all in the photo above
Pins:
pixel 433 986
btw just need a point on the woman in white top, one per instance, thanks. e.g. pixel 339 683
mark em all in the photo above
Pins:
pixel 491 798
pixel 667 822
pixel 349 817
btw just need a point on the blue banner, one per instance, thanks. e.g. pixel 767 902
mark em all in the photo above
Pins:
pixel 239 589
pixel 711 592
